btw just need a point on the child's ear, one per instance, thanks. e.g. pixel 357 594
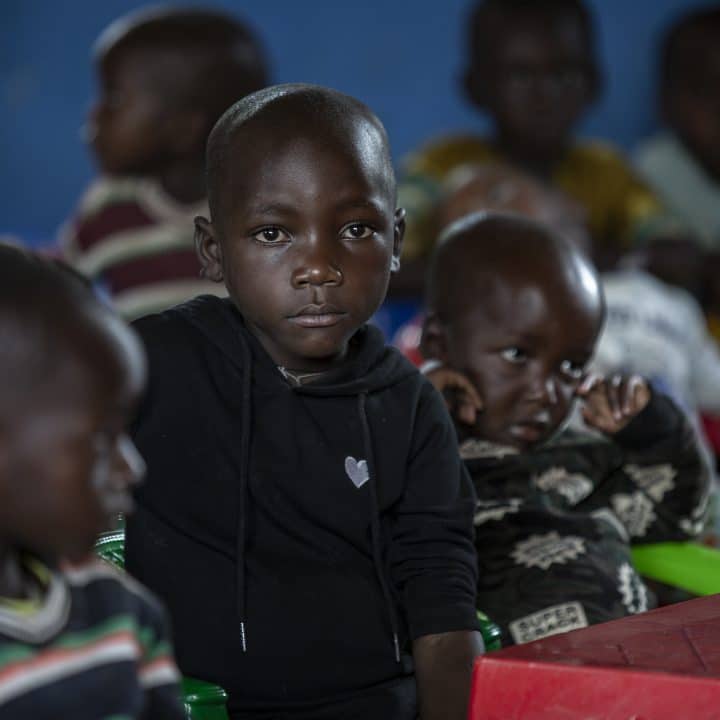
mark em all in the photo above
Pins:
pixel 398 237
pixel 433 342
pixel 208 250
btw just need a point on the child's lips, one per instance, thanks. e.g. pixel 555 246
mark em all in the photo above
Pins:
pixel 529 431
pixel 318 316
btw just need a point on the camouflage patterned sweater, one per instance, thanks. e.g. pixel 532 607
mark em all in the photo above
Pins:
pixel 554 526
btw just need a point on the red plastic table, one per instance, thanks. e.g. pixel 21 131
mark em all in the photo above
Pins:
pixel 661 665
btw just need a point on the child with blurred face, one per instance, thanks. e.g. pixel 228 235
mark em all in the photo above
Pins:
pixel 514 316
pixel 73 373
pixel 531 67
pixel 302 495
pixel 165 77
pixel 682 161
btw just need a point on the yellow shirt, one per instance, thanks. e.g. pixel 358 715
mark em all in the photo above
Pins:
pixel 619 206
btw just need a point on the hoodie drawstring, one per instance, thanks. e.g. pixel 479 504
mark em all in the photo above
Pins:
pixel 244 480
pixel 375 538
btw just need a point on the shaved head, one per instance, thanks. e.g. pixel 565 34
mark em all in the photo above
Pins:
pixel 479 254
pixel 52 329
pixel 289 113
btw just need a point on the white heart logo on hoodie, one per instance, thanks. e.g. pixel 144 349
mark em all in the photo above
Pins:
pixel 357 471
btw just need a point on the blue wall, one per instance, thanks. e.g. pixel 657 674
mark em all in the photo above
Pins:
pixel 402 57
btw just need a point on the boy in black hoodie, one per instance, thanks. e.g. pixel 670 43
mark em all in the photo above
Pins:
pixel 514 317
pixel 306 516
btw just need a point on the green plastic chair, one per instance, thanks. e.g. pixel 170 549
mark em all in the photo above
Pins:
pixel 491 633
pixel 201 700
pixel 689 566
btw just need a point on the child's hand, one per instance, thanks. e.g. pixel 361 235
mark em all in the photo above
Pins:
pixel 462 398
pixel 609 404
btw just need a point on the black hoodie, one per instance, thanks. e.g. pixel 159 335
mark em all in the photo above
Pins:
pixel 301 536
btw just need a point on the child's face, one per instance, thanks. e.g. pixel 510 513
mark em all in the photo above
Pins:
pixel 526 350
pixel 68 467
pixel 306 243
pixel 694 113
pixel 128 126
pixel 539 83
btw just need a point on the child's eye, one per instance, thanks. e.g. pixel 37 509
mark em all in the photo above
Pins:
pixel 572 369
pixel 270 235
pixel 514 355
pixel 357 231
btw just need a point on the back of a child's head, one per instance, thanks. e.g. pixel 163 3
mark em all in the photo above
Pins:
pixel 189 60
pixel 527 56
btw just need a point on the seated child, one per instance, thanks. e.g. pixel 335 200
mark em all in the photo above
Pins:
pixel 165 77
pixel 532 67
pixel 682 163
pixel 514 315
pixel 78 639
pixel 306 518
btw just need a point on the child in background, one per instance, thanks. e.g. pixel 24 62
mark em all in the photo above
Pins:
pixel 78 639
pixel 683 162
pixel 532 67
pixel 165 77
pixel 304 476
pixel 514 316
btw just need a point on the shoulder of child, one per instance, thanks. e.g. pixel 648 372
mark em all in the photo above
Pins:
pixel 599 156
pixel 96 573
pixel 439 156
pixel 104 192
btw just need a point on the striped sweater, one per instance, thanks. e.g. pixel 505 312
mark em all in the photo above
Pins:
pixel 130 235
pixel 95 648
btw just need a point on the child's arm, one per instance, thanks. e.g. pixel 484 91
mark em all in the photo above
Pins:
pixel 443 669
pixel 660 487
pixel 433 562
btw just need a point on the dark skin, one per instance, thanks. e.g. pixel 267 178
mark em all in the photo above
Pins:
pixel 143 123
pixel 691 107
pixel 535 81
pixel 66 440
pixel 511 367
pixel 310 226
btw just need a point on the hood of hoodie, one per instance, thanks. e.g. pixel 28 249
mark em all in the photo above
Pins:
pixel 371 366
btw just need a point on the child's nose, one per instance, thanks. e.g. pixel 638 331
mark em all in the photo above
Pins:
pixel 317 268
pixel 544 389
